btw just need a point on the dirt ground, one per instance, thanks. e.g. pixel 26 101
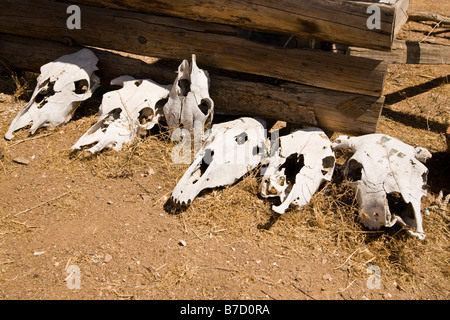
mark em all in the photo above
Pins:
pixel 103 215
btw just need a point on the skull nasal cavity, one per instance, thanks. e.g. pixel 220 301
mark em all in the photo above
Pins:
pixel 399 207
pixel 145 115
pixel 292 166
pixel 354 170
pixel 185 86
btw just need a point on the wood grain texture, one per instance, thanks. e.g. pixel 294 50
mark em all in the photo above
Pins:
pixel 408 52
pixel 215 45
pixel 298 104
pixel 341 21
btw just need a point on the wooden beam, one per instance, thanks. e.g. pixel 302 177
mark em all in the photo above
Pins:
pixel 298 104
pixel 340 21
pixel 428 16
pixel 409 52
pixel 172 38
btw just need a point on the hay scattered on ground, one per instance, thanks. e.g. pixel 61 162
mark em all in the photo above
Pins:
pixel 329 222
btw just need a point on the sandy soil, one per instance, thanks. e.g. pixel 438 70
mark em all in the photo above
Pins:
pixel 104 215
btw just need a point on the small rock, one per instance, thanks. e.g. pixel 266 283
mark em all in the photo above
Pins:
pixel 38 253
pixel 327 277
pixel 387 295
pixel 182 243
pixel 21 160
pixel 108 258
pixel 109 202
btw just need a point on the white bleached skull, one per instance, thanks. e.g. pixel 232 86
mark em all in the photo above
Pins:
pixel 231 150
pixel 303 162
pixel 189 101
pixel 389 179
pixel 125 113
pixel 61 86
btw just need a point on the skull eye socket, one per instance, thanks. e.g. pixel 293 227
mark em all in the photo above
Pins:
pixel 146 115
pixel 328 162
pixel 399 207
pixel 292 166
pixel 81 86
pixel 354 170
pixel 205 106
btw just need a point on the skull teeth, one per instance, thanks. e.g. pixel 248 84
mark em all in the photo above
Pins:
pixel 173 206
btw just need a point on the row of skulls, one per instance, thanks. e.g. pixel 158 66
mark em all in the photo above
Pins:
pixel 388 175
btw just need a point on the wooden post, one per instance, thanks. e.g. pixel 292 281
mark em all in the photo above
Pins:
pixel 407 52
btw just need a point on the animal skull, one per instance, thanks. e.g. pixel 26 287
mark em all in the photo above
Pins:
pixel 231 150
pixel 189 102
pixel 389 180
pixel 124 113
pixel 303 161
pixel 61 86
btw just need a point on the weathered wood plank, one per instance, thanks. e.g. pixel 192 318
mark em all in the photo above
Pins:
pixel 401 15
pixel 428 16
pixel 409 52
pixel 172 38
pixel 339 21
pixel 298 104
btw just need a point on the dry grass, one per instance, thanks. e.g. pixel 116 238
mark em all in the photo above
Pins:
pixel 328 223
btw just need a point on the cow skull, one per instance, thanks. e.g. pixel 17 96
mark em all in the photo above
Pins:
pixel 389 180
pixel 231 150
pixel 189 102
pixel 125 113
pixel 302 163
pixel 61 86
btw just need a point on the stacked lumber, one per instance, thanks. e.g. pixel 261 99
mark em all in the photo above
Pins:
pixel 301 85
